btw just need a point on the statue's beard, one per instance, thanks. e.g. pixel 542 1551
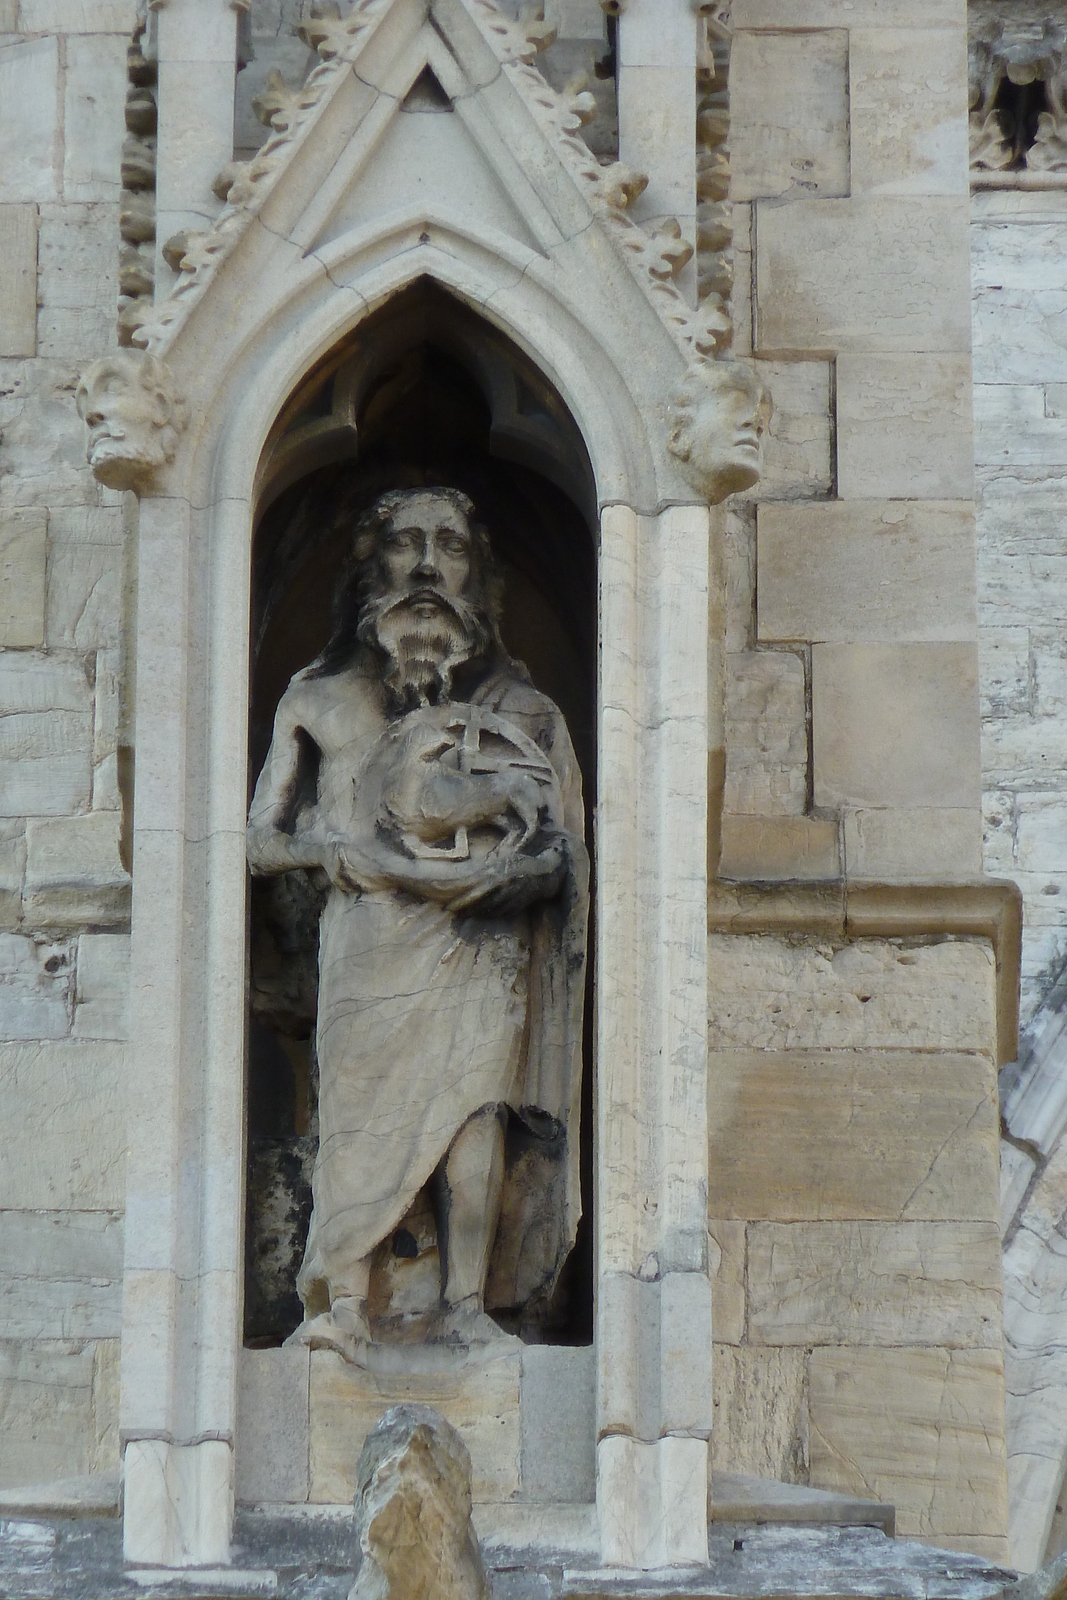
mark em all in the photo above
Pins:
pixel 422 652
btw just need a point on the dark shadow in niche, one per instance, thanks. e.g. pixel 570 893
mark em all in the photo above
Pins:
pixel 425 393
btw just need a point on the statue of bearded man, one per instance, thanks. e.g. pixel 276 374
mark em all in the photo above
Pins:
pixel 417 765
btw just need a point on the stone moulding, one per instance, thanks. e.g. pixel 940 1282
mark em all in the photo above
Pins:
pixel 845 910
pixel 654 258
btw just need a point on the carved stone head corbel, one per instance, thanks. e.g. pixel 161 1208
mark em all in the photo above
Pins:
pixel 133 417
pixel 716 422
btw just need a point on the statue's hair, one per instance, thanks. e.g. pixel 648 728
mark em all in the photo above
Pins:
pixel 362 578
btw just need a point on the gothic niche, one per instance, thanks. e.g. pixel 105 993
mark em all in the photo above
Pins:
pixel 424 396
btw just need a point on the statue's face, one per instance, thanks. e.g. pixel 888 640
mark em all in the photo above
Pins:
pixel 123 417
pixel 428 544
pixel 717 428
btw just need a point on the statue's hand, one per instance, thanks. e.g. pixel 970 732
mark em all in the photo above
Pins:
pixel 517 882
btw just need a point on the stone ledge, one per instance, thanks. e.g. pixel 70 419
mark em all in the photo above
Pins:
pixel 840 909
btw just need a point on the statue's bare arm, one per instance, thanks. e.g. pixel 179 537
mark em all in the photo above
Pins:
pixel 279 837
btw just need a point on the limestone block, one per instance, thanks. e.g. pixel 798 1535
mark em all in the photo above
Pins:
pixel 45 736
pixel 558 1394
pixel 741 288
pixel 769 993
pixel 12 870
pixel 60 1274
pixel 1003 670
pixel 895 725
pixel 1041 832
pixel 904 427
pixel 796 446
pixel 30 120
pixel 35 984
pixel 766 734
pixel 480 1399
pixel 761 1412
pixel 72 1095
pixel 876 1283
pixel 933 843
pixel 657 123
pixel 102 987
pixel 1019 301
pixel 867 274
pixel 78 281
pixel 861 571
pixel 1049 657
pixel 94 127
pixel 107 710
pixel 44 456
pixel 789 127
pixel 272 1426
pixel 77 16
pixel 23 544
pixel 800 848
pixel 907 98
pixel 921 1429
pixel 84 588
pixel 73 871
pixel 46 1407
pixel 726 1246
pixel 739 570
pixel 18 280
pixel 852 1134
pixel 998 831
pixel 845 13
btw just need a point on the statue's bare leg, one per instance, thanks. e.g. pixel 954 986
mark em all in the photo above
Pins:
pixel 468 1188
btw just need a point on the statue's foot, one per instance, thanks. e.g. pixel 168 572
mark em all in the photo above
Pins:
pixel 467 1324
pixel 344 1328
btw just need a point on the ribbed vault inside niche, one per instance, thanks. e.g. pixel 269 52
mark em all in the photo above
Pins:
pixel 426 392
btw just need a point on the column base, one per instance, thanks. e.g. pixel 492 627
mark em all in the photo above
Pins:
pixel 653 1502
pixel 177 1503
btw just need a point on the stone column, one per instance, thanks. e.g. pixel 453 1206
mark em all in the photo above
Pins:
pixel 197 56
pixel 657 59
pixel 653 1291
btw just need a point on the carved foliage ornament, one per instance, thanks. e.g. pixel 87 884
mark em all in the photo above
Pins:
pixel 1023 49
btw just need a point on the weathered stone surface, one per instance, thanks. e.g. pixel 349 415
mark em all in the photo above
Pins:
pixel 29 120
pixel 904 427
pixel 779 847
pixel 58 1406
pixel 413 1511
pixel 1004 670
pixel 73 871
pixel 845 13
pixel 843 1134
pixel 480 1399
pixel 558 1395
pixel 102 986
pixel 23 544
pixel 876 1283
pixel 1019 299
pixel 789 114
pixel 73 1097
pixel 18 280
pixel 77 282
pixel 761 1406
pixel 861 275
pixel 272 1426
pixel 93 124
pixel 895 725
pixel 796 446
pixel 45 736
pixel 83 596
pixel 35 985
pixel 908 135
pixel 60 1274
pixel 771 993
pixel 921 1429
pixel 865 571
pixel 44 458
pixel 727 1250
pixel 766 734
pixel 936 843
pixel 77 16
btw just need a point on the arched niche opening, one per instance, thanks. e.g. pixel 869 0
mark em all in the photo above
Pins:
pixel 423 393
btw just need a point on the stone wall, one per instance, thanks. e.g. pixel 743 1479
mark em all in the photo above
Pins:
pixel 64 892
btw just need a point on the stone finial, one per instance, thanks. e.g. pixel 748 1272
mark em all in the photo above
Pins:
pixel 716 422
pixel 413 1512
pixel 133 415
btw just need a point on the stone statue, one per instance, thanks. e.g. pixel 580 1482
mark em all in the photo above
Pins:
pixel 415 763
pixel 717 420
pixel 133 418
pixel 413 1512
